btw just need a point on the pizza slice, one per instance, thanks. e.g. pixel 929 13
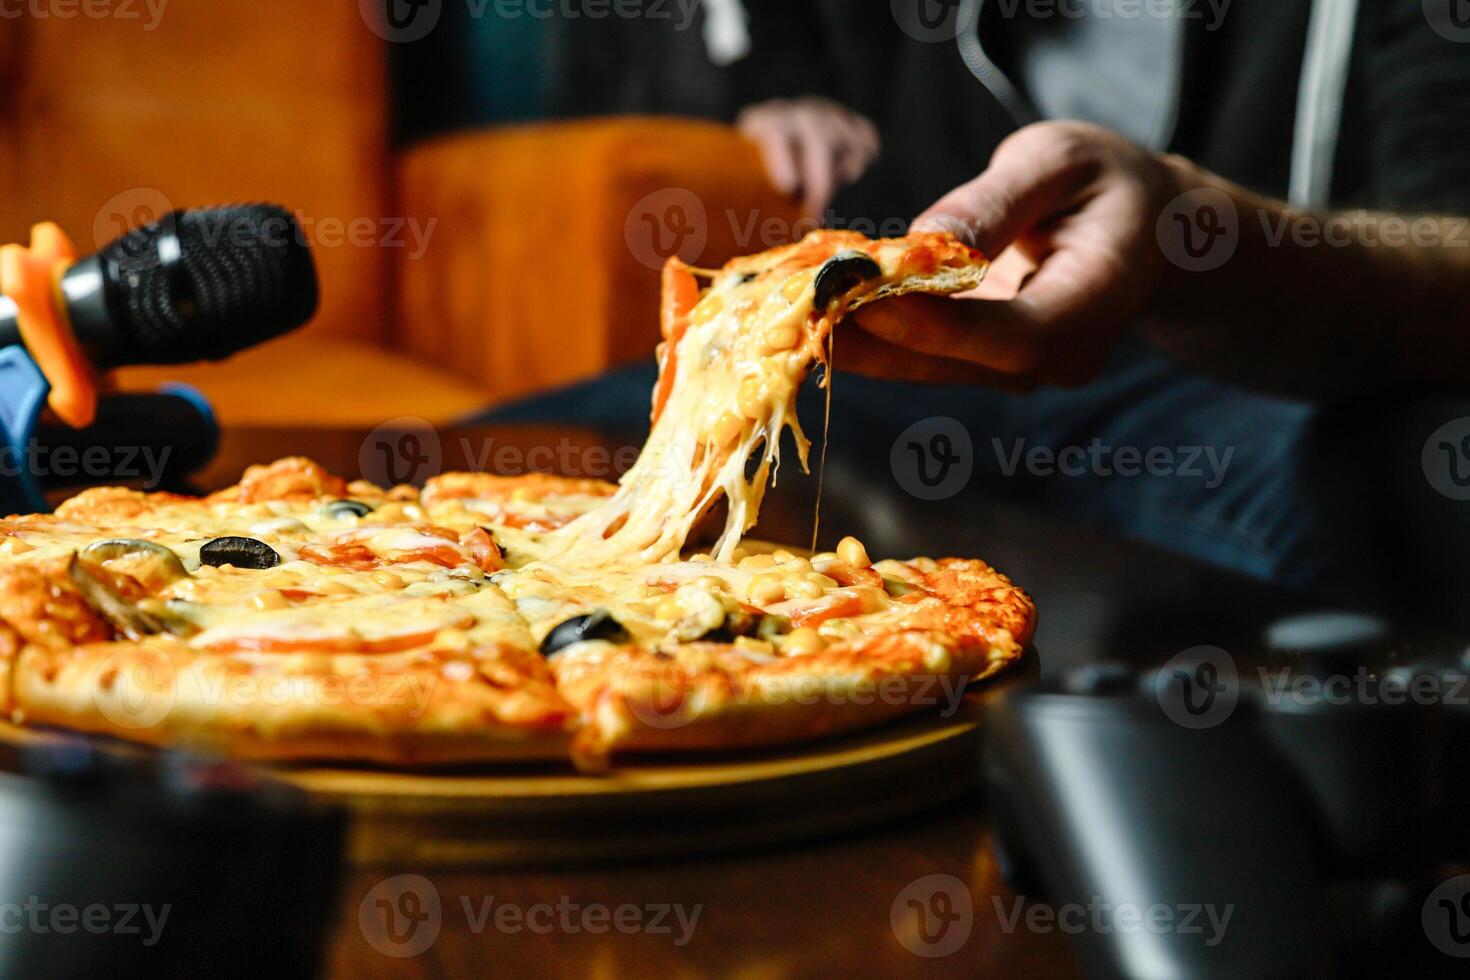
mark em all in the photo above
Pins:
pixel 732 359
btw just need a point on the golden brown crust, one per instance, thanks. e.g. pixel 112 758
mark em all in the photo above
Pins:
pixel 695 697
pixel 420 708
pixel 286 478
pixel 113 505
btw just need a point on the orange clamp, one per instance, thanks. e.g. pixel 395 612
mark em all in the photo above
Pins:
pixel 31 277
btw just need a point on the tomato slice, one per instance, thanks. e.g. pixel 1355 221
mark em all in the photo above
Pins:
pixel 484 550
pixel 680 294
pixel 834 606
pixel 357 556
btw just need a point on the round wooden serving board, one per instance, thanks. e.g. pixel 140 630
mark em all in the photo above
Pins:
pixel 644 807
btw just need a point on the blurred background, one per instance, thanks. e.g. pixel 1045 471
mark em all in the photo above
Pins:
pixel 467 183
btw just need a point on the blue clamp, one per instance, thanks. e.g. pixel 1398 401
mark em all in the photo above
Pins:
pixel 177 419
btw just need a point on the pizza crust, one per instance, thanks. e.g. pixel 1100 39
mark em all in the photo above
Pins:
pixel 405 710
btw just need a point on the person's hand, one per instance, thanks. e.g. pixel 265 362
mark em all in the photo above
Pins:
pixel 811 145
pixel 1067 212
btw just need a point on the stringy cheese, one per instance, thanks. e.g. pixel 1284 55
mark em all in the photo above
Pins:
pixel 737 367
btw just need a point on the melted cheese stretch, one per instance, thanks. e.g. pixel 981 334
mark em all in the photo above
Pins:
pixel 748 344
pixel 699 447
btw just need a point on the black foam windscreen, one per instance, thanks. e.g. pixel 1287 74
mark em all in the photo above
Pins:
pixel 201 285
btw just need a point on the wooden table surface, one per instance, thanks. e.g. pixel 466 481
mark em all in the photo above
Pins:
pixel 843 907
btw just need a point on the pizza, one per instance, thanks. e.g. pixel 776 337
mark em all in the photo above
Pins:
pixel 490 618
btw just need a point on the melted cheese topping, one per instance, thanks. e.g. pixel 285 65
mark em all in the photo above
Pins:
pixel 467 573
pixel 744 350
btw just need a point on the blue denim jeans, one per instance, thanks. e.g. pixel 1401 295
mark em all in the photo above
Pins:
pixel 1148 450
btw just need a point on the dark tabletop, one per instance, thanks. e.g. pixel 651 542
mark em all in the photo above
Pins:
pixel 822 907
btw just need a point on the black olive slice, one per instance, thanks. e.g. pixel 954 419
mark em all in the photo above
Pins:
pixel 347 508
pixel 596 625
pixel 240 552
pixel 162 558
pixel 124 616
pixel 841 274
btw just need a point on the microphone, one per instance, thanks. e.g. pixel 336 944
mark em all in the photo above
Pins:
pixel 192 286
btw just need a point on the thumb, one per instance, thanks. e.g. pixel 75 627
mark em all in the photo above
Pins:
pixel 1027 182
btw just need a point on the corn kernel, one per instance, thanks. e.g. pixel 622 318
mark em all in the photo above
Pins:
pixel 766 589
pixel 783 335
pixel 708 308
pixel 793 287
pixel 802 640
pixel 752 397
pixel 757 563
pixel 801 588
pixel 387 579
pixel 334 587
pixel 390 512
pixel 851 550
pixel 727 429
pixel 268 599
